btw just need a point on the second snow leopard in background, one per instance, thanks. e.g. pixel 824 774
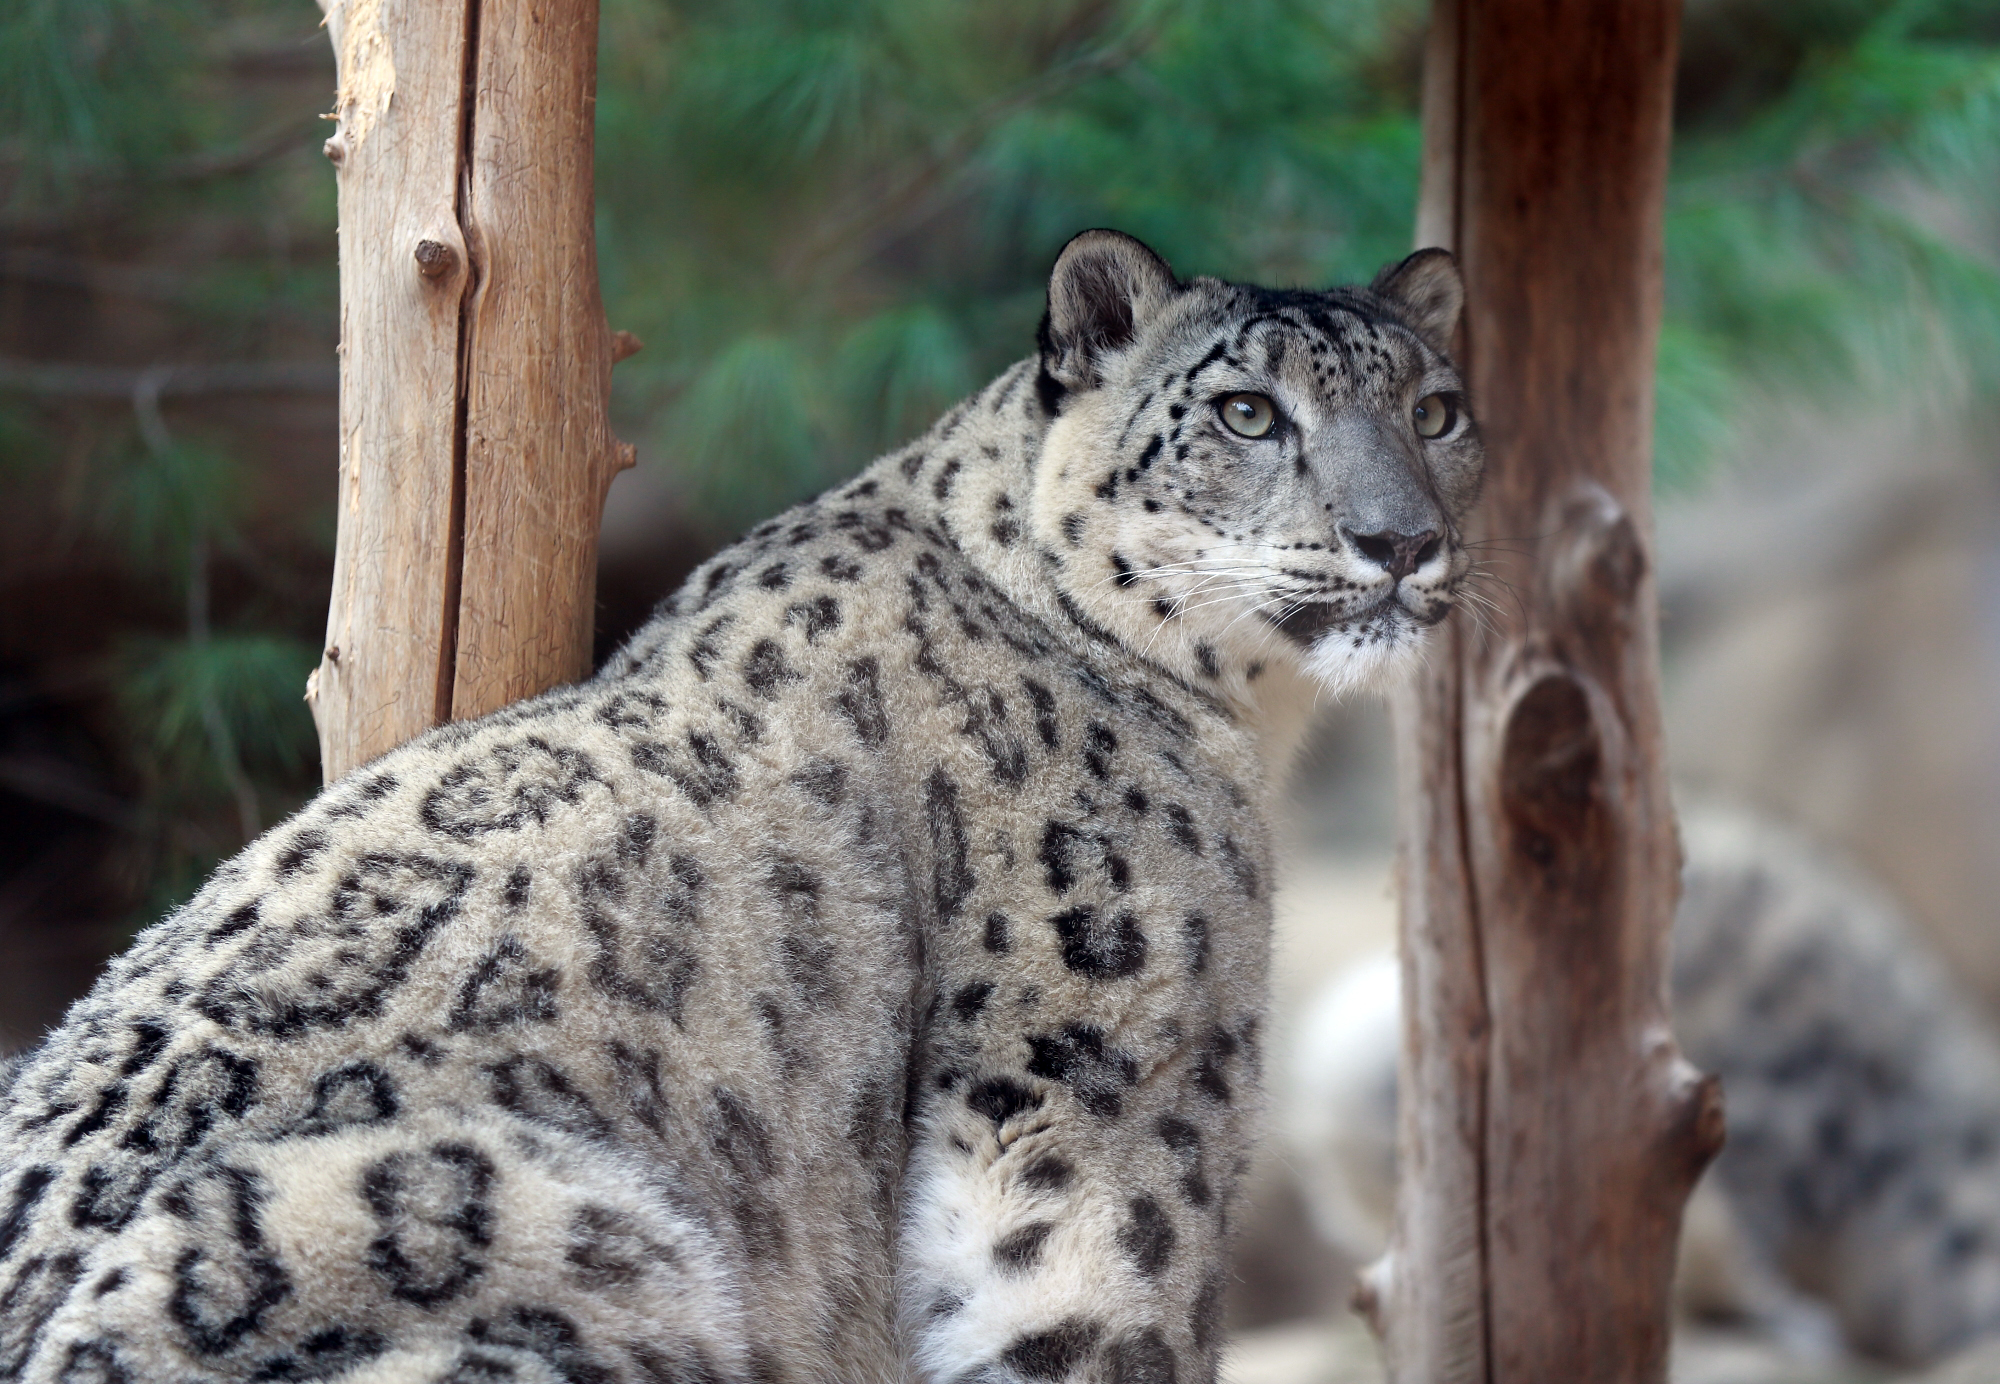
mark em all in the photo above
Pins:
pixel 1857 1199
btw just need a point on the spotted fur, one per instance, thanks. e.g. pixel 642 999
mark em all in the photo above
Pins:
pixel 861 978
pixel 1858 1196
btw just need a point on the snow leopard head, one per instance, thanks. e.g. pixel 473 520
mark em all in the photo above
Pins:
pixel 1240 476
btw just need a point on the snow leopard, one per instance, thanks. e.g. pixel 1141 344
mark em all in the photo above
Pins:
pixel 860 978
pixel 1856 1202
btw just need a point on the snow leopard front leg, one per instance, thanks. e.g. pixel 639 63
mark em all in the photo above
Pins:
pixel 1068 1198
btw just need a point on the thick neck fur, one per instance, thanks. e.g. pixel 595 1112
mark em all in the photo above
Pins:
pixel 1257 493
pixel 996 472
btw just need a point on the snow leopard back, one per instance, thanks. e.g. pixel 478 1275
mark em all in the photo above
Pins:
pixel 861 977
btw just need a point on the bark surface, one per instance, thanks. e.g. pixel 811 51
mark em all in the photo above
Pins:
pixel 1550 1129
pixel 475 362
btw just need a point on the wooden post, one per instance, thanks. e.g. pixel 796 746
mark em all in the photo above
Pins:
pixel 475 363
pixel 1550 1131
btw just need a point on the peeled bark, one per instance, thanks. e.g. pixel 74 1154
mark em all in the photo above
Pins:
pixel 475 450
pixel 1550 1131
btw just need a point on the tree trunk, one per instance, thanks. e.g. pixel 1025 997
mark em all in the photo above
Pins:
pixel 1550 1131
pixel 475 450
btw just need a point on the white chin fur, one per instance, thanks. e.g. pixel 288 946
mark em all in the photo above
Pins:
pixel 1364 657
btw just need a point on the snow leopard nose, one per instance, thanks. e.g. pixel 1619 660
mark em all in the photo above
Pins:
pixel 1398 554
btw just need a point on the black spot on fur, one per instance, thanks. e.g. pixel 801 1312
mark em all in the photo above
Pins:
pixel 638 1080
pixel 941 487
pixel 825 780
pixel 1006 532
pixel 1077 1056
pixel 1005 754
pixel 1147 1237
pixel 631 709
pixel 971 999
pixel 507 787
pixel 739 1136
pixel 365 795
pixel 1050 1172
pixel 1142 1359
pixel 1205 1316
pixel 1185 1140
pixel 645 958
pixel 999 1099
pixel 225 1284
pixel 690 1365
pixel 819 616
pixel 736 1132
pixel 808 962
pixel 793 1057
pixel 550 1337
pixel 1072 529
pixel 240 919
pixel 871 535
pixel 1180 826
pixel 951 874
pixel 705 773
pixel 1053 1354
pixel 536 1089
pixel 359 1093
pixel 608 1249
pixel 1204 656
pixel 94 1362
pixel 1213 1056
pixel 1100 948
pixel 1242 867
pixel 109 1193
pixel 519 881
pixel 1020 1250
pixel 323 1354
pixel 1194 933
pixel 41 1286
pixel 1098 745
pixel 109 1102
pixel 861 702
pixel 766 671
pixel 749 725
pixel 1045 713
pixel 996 939
pixel 1060 842
pixel 301 851
pixel 505 988
pixel 198 1090
pixel 1091 629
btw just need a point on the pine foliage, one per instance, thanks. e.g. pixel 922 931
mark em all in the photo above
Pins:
pixel 831 218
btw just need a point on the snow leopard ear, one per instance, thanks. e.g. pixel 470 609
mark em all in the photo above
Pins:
pixel 1427 292
pixel 1105 287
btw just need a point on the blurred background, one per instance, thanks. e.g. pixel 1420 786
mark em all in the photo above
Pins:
pixel 828 220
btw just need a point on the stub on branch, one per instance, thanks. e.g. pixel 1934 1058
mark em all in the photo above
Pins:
pixel 1548 1130
pixel 476 365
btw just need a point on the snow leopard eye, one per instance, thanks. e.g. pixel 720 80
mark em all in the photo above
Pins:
pixel 1248 415
pixel 1434 415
